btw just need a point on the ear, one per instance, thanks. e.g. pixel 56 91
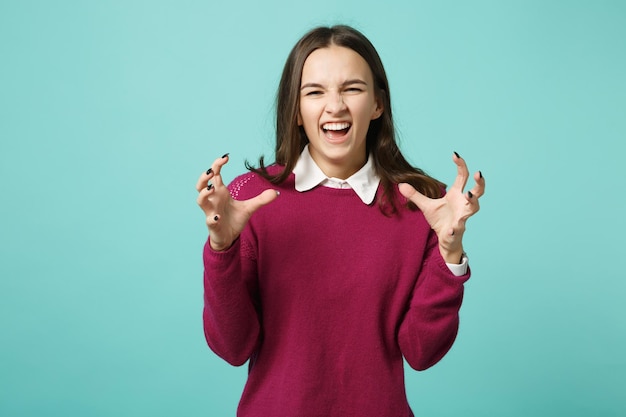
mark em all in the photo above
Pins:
pixel 299 119
pixel 378 111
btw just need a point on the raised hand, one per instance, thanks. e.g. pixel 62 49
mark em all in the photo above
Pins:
pixel 447 215
pixel 225 216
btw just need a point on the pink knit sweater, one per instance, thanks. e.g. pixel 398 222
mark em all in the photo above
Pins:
pixel 325 295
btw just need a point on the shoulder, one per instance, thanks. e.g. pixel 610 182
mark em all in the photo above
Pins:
pixel 406 212
pixel 250 184
pixel 243 184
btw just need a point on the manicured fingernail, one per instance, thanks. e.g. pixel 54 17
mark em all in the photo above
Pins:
pixel 225 155
pixel 209 187
pixel 470 195
pixel 480 173
pixel 208 171
pixel 216 218
pixel 457 155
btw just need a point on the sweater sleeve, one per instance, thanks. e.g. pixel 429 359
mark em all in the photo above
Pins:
pixel 231 321
pixel 431 322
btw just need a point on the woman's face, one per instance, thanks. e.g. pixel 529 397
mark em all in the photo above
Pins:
pixel 337 103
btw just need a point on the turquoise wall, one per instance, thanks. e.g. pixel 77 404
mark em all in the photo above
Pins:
pixel 109 111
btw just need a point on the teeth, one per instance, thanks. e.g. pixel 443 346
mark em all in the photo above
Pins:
pixel 335 126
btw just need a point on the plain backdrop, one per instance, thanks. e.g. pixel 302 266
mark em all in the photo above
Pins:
pixel 110 110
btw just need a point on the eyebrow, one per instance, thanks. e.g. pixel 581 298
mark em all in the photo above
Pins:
pixel 345 83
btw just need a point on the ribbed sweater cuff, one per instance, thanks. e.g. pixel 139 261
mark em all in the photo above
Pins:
pixel 220 257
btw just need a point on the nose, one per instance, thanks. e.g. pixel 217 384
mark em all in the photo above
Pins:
pixel 335 103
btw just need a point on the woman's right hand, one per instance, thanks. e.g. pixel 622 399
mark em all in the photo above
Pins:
pixel 225 216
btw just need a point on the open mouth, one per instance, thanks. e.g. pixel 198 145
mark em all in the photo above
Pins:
pixel 336 130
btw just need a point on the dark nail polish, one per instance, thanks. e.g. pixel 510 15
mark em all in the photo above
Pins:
pixel 480 173
pixel 469 193
pixel 216 218
pixel 457 155
pixel 208 171
pixel 225 155
pixel 209 187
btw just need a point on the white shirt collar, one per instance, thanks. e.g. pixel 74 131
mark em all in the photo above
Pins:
pixel 308 174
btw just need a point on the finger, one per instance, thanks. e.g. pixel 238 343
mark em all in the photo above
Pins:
pixel 203 180
pixel 261 200
pixel 212 220
pixel 462 172
pixel 473 204
pixel 479 188
pixel 211 213
pixel 203 199
pixel 412 194
pixel 217 168
pixel 213 171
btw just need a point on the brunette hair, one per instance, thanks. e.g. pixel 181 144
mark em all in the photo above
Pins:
pixel 390 164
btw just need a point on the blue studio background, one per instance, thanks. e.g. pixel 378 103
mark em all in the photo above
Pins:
pixel 109 111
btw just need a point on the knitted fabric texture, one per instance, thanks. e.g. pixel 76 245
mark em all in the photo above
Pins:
pixel 324 296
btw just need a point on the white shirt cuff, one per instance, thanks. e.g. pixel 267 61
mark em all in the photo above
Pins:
pixel 459 269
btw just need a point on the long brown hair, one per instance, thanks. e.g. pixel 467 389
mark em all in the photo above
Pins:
pixel 390 164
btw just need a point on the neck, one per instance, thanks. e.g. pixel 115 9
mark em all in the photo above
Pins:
pixel 338 170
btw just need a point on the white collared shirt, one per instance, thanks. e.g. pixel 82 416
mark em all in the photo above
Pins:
pixel 308 174
pixel 364 182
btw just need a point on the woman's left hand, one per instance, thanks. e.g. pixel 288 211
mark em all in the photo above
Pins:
pixel 447 215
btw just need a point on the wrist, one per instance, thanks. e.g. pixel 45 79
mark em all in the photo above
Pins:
pixel 452 257
pixel 216 247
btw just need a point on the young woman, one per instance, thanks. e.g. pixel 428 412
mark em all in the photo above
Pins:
pixel 328 267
